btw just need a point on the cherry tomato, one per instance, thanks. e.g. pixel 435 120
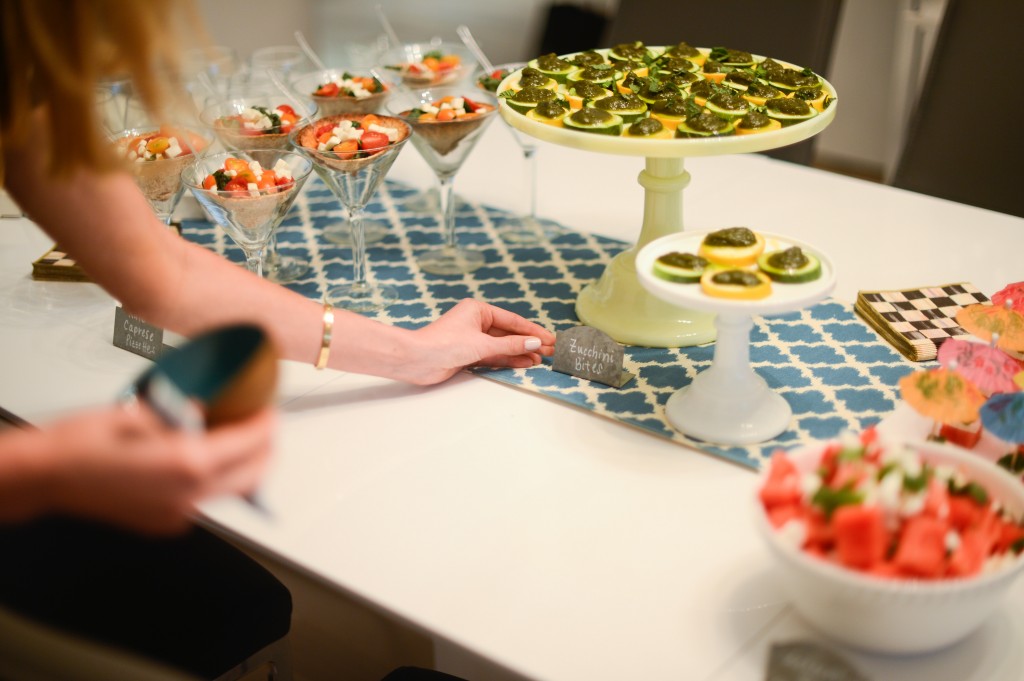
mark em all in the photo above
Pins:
pixel 327 90
pixel 286 109
pixel 374 140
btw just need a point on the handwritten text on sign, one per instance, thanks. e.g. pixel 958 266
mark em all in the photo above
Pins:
pixel 588 353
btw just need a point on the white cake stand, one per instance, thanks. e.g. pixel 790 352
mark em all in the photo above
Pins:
pixel 616 303
pixel 729 403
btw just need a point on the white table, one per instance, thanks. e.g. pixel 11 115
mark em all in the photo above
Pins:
pixel 519 533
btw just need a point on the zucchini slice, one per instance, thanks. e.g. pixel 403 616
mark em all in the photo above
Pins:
pixel 707 124
pixel 593 120
pixel 681 268
pixel 599 74
pixel 789 110
pixel 529 97
pixel 727 105
pixel 736 284
pixel 628 107
pixel 553 67
pixel 790 266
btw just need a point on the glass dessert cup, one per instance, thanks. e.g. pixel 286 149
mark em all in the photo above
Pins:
pixel 399 59
pixel 445 145
pixel 353 177
pixel 249 216
pixel 217 117
pixel 160 179
pixel 523 230
pixel 307 85
pixel 430 64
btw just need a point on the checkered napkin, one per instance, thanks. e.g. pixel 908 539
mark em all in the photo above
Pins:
pixel 57 265
pixel 917 321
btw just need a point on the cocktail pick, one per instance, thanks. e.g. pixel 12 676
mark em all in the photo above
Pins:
pixel 386 25
pixel 308 49
pixel 470 42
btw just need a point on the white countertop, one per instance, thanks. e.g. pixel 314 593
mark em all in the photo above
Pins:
pixel 544 540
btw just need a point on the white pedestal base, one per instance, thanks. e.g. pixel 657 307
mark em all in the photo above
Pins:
pixel 729 403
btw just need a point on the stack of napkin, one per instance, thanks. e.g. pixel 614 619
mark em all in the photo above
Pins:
pixel 917 321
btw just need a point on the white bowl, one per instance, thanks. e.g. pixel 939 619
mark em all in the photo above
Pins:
pixel 896 616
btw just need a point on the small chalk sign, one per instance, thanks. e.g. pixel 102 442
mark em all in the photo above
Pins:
pixel 588 353
pixel 136 336
pixel 807 661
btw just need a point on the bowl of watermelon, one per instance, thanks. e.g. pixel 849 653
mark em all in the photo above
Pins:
pixel 892 547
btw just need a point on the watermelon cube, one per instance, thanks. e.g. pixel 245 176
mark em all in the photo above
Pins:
pixel 922 547
pixel 782 485
pixel 861 539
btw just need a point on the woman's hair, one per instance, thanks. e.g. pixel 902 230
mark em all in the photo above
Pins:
pixel 55 53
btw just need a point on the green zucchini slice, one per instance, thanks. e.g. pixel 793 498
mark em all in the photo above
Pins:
pixel 682 268
pixel 593 120
pixel 790 266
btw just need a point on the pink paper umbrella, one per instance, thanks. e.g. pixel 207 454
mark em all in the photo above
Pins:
pixel 987 367
pixel 1011 296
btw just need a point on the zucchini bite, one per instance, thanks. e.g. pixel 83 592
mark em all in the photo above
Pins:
pixel 589 119
pixel 681 268
pixel 736 284
pixel 790 266
pixel 732 247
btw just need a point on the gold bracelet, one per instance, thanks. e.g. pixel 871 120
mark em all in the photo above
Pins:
pixel 325 341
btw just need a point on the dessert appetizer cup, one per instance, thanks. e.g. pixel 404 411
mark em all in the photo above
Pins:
pixel 157 157
pixel 237 122
pixel 249 215
pixel 340 91
pixel 353 173
pixel 354 95
pixel 445 144
pixel 430 64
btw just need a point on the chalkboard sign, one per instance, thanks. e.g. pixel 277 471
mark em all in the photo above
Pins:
pixel 588 353
pixel 136 336
pixel 806 661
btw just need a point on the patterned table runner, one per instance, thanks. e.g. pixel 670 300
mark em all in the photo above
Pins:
pixel 834 371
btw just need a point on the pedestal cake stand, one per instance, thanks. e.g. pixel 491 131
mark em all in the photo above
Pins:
pixel 617 304
pixel 729 403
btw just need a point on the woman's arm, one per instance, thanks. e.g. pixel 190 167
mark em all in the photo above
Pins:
pixel 105 223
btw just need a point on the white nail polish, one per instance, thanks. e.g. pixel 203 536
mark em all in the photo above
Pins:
pixel 532 344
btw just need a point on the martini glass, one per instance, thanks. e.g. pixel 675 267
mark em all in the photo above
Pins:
pixel 158 156
pixel 249 216
pixel 226 120
pixel 353 176
pixel 319 86
pixel 444 145
pixel 419 66
pixel 526 230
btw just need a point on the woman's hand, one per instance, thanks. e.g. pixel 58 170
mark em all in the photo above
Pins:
pixel 475 334
pixel 123 466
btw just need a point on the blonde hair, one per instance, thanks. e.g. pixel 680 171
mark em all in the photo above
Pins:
pixel 56 52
